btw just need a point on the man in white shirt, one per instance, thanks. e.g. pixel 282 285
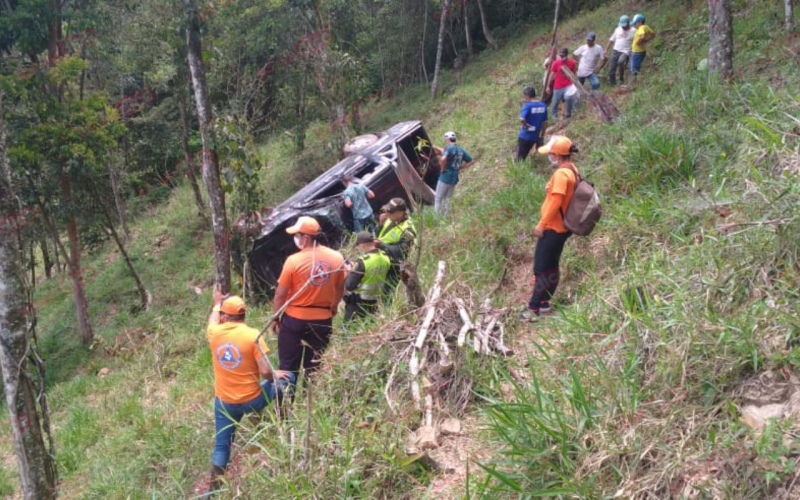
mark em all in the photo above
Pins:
pixel 622 40
pixel 591 61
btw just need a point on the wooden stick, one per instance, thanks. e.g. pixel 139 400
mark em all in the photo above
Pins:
pixel 462 311
pixel 487 333
pixel 389 386
pixel 436 290
pixel 429 410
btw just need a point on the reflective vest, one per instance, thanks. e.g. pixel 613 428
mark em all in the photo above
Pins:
pixel 395 234
pixel 376 265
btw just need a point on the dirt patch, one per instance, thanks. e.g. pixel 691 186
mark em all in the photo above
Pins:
pixel 452 456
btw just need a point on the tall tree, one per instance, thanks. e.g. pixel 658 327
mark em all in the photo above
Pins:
pixel 211 179
pixel 486 33
pixel 720 38
pixel 439 48
pixel 788 8
pixel 36 468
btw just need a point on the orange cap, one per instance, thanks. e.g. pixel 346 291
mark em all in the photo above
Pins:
pixel 233 305
pixel 558 145
pixel 305 225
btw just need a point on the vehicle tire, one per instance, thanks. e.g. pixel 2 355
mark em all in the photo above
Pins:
pixel 358 143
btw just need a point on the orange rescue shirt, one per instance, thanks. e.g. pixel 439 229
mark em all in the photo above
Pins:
pixel 234 353
pixel 327 267
pixel 562 182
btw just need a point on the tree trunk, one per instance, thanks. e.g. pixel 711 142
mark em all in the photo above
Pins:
pixel 48 263
pixel 144 295
pixel 720 38
pixel 74 258
pixel 216 197
pixel 485 27
pixel 56 256
pixel 185 127
pixel 439 48
pixel 422 43
pixel 788 6
pixel 37 471
pixel 119 200
pixel 467 35
pixel 300 139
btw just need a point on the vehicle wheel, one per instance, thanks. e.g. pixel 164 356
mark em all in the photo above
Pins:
pixel 358 143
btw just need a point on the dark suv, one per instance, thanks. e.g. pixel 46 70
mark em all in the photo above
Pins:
pixel 398 164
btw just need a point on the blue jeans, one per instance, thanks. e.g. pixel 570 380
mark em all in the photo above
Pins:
pixel 367 224
pixel 592 79
pixel 558 94
pixel 227 415
pixel 636 61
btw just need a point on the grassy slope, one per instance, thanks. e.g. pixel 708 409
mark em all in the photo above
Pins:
pixel 145 430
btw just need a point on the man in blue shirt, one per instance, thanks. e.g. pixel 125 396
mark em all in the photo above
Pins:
pixel 355 198
pixel 533 117
pixel 451 163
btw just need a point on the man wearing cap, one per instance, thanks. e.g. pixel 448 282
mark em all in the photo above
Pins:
pixel 591 59
pixel 451 162
pixel 366 280
pixel 313 281
pixel 238 362
pixel 396 237
pixel 641 38
pixel 533 117
pixel 355 198
pixel 560 82
pixel 550 232
pixel 622 38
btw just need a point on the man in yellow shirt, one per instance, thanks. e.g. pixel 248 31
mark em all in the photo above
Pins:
pixel 639 47
pixel 550 232
pixel 238 363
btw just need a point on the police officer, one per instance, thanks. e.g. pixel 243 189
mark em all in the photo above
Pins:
pixel 396 237
pixel 366 280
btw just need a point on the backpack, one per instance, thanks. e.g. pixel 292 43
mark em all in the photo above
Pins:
pixel 583 211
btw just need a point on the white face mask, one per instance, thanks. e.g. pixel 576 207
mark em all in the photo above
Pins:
pixel 298 241
pixel 553 160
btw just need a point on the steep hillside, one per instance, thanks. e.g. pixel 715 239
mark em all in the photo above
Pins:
pixel 677 326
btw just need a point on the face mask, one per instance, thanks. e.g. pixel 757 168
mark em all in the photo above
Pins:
pixel 298 241
pixel 553 160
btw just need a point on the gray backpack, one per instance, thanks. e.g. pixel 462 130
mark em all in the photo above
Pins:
pixel 583 211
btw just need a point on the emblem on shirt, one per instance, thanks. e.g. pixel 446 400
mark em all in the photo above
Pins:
pixel 229 356
pixel 320 273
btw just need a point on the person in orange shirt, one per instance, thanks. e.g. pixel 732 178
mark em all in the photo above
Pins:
pixel 312 282
pixel 550 232
pixel 238 362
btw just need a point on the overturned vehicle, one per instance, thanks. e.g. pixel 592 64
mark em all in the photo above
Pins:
pixel 396 163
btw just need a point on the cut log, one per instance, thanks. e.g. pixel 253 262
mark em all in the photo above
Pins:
pixel 598 101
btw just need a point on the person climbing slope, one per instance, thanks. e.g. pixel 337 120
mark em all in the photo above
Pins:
pixel 452 162
pixel 237 362
pixel 366 280
pixel 622 38
pixel 396 237
pixel 533 117
pixel 639 47
pixel 550 232
pixel 355 198
pixel 313 279
pixel 560 82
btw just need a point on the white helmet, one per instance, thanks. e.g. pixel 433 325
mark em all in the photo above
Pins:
pixel 450 135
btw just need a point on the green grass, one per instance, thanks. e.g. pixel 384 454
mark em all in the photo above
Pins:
pixel 630 390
